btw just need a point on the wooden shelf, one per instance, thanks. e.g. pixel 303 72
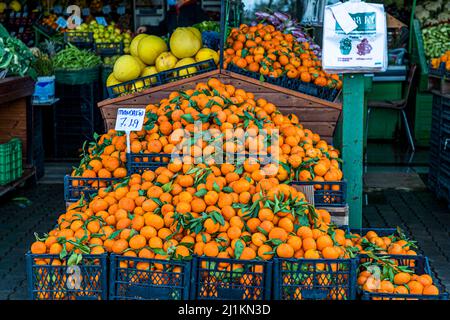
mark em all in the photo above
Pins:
pixel 27 174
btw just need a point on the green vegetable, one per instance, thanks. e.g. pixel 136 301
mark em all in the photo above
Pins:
pixel 75 59
pixel 436 40
pixel 14 55
pixel 208 26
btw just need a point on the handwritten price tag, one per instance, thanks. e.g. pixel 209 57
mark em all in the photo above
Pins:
pixel 102 21
pixel 61 22
pixel 130 119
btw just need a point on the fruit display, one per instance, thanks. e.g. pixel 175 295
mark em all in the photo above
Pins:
pixel 286 24
pixel 444 59
pixel 49 23
pixel 263 50
pixel 106 34
pixel 304 156
pixel 385 275
pixel 196 207
pixel 229 210
pixel 150 54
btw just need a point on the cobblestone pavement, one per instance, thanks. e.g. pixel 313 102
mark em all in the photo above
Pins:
pixel 427 220
pixel 17 226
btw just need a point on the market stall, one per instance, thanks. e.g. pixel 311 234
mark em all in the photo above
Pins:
pixel 207 159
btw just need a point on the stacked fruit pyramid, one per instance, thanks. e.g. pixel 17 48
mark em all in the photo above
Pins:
pixel 245 211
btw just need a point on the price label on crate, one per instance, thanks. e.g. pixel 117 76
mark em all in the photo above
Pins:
pixel 130 119
pixel 57 9
pixel 121 10
pixel 86 12
pixel 61 22
pixel 102 21
pixel 106 9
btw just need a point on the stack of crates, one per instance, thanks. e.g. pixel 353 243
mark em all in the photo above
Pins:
pixel 439 174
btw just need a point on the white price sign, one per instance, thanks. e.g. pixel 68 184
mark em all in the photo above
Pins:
pixel 130 119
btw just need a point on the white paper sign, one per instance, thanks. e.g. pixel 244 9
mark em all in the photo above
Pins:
pixel 357 46
pixel 130 119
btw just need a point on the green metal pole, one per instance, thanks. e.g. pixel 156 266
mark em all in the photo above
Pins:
pixel 411 23
pixel 352 146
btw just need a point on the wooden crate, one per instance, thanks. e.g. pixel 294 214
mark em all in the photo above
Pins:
pixel 319 115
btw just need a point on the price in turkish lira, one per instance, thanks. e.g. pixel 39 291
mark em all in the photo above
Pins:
pixel 130 119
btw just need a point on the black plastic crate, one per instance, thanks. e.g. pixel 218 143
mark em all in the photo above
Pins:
pixel 148 279
pixel 231 279
pixel 311 89
pixel 327 194
pixel 84 40
pixel 48 281
pixel 77 187
pixel 109 49
pixel 315 279
pixel 420 265
pixel 161 78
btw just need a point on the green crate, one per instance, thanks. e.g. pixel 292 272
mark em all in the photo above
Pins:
pixel 418 56
pixel 422 118
pixel 10 161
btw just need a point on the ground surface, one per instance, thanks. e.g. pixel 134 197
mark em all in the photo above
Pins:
pixel 417 211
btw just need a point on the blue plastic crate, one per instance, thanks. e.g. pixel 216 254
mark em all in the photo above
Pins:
pixel 324 195
pixel 439 72
pixel 161 78
pixel 211 39
pixel 311 89
pixel 420 266
pixel 85 281
pixel 231 279
pixel 315 279
pixel 159 280
pixel 76 187
pixel 139 162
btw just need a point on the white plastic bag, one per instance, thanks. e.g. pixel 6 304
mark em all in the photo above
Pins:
pixel 355 38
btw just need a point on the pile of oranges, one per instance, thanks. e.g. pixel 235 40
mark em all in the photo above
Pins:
pixel 265 50
pixel 195 206
pixel 383 275
pixel 395 244
pixel 240 210
pixel 445 58
pixel 302 154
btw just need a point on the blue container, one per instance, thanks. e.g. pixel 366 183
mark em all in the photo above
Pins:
pixel 421 266
pixel 318 279
pixel 140 162
pixel 230 279
pixel 160 280
pixel 85 281
pixel 311 89
pixel 327 194
pixel 76 187
pixel 44 90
